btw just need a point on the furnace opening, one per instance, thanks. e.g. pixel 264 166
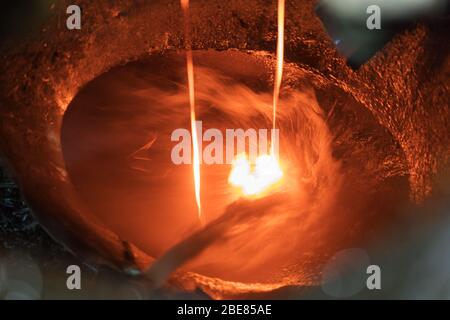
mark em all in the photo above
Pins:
pixel 339 165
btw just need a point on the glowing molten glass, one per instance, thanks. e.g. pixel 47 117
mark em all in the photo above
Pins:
pixel 190 74
pixel 254 179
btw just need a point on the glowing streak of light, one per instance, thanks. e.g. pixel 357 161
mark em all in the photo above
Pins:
pixel 190 74
pixel 279 68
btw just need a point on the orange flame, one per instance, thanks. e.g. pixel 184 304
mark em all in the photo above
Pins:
pixel 280 59
pixel 266 172
pixel 190 74
pixel 254 180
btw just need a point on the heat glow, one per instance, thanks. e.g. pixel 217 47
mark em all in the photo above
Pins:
pixel 190 74
pixel 280 59
pixel 254 179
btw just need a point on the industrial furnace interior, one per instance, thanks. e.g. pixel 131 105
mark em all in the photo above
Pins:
pixel 227 148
